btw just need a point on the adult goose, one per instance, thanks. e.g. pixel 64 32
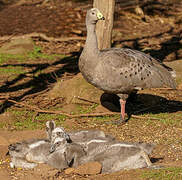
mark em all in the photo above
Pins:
pixel 119 71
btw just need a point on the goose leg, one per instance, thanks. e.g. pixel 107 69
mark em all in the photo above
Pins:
pixel 122 104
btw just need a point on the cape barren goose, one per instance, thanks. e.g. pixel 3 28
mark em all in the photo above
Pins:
pixel 119 71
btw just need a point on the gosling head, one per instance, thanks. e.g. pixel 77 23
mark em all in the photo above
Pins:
pixel 59 132
pixel 59 144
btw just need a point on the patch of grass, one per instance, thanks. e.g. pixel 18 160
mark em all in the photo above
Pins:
pixel 164 118
pixel 172 173
pixel 35 54
pixel 105 119
pixel 88 109
pixel 24 120
pixel 5 57
pixel 2 125
pixel 27 124
pixel 47 117
pixel 12 70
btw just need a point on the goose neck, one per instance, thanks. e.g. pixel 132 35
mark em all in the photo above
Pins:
pixel 91 44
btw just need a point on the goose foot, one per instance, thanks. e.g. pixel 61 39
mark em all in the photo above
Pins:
pixel 121 121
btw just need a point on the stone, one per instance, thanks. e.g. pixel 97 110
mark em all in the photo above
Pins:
pixel 18 46
pixel 75 87
pixel 90 168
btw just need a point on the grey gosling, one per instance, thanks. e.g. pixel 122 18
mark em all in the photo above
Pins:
pixel 65 154
pixel 76 136
pixel 27 154
pixel 119 155
pixel 119 71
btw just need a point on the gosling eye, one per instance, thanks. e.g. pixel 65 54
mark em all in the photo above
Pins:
pixel 57 143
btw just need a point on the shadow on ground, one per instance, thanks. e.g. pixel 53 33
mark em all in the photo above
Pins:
pixel 141 103
pixel 40 82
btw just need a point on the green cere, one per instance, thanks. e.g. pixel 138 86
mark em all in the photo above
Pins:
pixel 99 15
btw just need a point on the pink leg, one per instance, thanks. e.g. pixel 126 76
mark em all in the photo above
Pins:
pixel 122 104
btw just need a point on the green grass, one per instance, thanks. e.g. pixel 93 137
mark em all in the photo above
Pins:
pixel 23 120
pixel 168 119
pixel 172 173
pixel 12 70
pixel 35 54
pixel 5 57
pixel 86 109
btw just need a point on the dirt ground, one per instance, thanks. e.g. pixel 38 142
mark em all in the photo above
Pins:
pixel 52 84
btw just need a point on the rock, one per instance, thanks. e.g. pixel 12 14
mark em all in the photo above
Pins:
pixel 90 168
pixel 69 171
pixel 75 87
pixel 18 46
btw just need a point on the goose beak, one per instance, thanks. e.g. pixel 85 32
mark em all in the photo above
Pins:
pixel 100 16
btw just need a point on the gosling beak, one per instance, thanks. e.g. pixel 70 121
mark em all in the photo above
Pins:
pixel 52 149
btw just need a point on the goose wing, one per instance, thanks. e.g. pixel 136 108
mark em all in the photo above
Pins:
pixel 134 69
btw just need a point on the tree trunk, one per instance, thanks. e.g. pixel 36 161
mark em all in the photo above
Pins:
pixel 104 28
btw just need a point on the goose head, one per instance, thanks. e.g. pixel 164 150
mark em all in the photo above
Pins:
pixel 93 15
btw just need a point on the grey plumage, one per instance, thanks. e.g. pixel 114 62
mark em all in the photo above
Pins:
pixel 119 71
pixel 74 136
pixel 27 154
pixel 115 156
pixel 64 154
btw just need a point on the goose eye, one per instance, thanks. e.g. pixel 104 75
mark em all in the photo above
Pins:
pixel 93 13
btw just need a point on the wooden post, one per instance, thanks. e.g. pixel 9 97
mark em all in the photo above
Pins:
pixel 104 28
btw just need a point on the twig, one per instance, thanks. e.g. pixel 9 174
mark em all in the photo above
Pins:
pixel 83 99
pixel 34 108
pixel 10 37
pixel 43 36
pixel 141 117
pixel 35 94
pixel 38 110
